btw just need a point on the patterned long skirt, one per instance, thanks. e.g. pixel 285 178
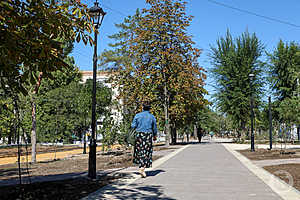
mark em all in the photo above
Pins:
pixel 143 150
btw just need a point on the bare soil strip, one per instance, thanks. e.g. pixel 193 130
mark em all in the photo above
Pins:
pixel 67 176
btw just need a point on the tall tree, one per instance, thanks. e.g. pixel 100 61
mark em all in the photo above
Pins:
pixel 233 59
pixel 33 34
pixel 163 67
pixel 284 76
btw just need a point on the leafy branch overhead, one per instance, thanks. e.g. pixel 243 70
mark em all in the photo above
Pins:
pixel 32 35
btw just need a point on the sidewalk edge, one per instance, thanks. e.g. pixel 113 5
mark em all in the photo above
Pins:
pixel 281 188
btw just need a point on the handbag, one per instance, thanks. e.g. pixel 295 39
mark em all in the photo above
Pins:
pixel 131 136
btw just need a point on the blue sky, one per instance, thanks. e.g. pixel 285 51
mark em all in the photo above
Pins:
pixel 211 20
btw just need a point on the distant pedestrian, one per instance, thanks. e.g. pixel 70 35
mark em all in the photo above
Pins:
pixel 145 125
pixel 211 134
pixel 199 133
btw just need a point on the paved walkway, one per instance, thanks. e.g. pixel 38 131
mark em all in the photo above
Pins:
pixel 200 171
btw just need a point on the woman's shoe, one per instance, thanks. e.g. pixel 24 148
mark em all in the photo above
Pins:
pixel 143 173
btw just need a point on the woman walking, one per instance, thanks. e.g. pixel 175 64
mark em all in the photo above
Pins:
pixel 145 125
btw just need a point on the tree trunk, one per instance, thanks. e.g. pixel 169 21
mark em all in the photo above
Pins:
pixel 259 131
pixel 28 138
pixel 244 131
pixel 33 132
pixel 187 137
pixel 173 135
pixel 298 133
pixel 9 139
pixel 17 136
pixel 199 132
pixel 33 117
pixel 166 107
pixel 195 131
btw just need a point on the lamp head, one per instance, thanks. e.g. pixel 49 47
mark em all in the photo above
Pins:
pixel 251 76
pixel 97 14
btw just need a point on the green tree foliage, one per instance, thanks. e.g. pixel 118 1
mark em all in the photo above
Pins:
pixel 65 112
pixel 56 114
pixel 285 70
pixel 289 110
pixel 233 60
pixel 284 77
pixel 110 131
pixel 62 77
pixel 262 117
pixel 31 34
pixel 119 56
pixel 207 120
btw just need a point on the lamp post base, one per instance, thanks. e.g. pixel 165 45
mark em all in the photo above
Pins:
pixel 92 160
pixel 252 145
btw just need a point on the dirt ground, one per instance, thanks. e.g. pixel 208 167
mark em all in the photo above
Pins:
pixel 13 151
pixel 6 152
pixel 287 172
pixel 72 188
pixel 264 154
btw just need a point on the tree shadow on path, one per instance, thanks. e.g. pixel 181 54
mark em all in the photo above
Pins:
pixel 133 191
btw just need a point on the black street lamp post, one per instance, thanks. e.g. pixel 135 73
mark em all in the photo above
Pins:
pixel 97 15
pixel 270 123
pixel 251 76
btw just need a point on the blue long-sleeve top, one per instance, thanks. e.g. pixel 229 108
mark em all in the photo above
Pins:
pixel 144 122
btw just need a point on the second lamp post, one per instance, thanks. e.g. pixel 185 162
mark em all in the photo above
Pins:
pixel 251 76
pixel 97 15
